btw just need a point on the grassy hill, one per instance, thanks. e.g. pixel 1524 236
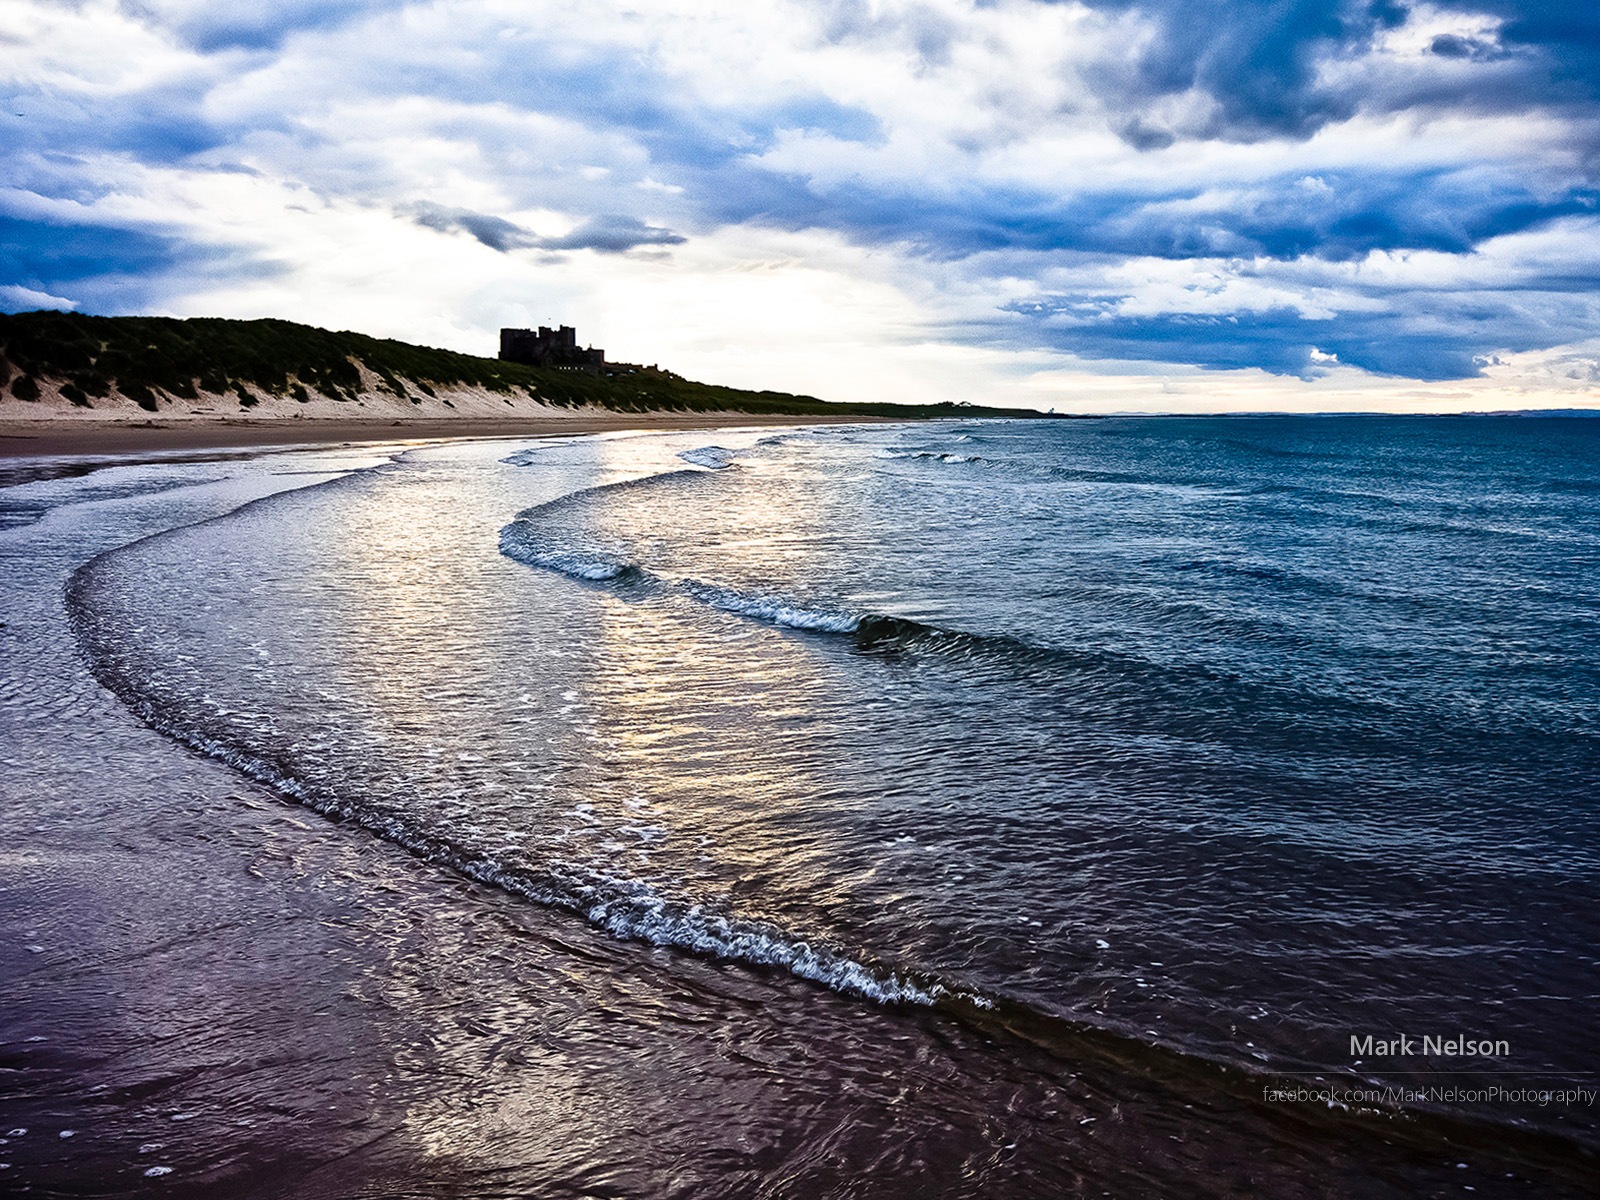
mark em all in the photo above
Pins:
pixel 155 361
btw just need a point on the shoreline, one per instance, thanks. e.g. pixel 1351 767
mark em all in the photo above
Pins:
pixel 57 438
pixel 215 987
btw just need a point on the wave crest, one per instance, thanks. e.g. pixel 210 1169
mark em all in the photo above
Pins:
pixel 522 542
pixel 943 456
pixel 713 458
pixel 776 610
pixel 623 905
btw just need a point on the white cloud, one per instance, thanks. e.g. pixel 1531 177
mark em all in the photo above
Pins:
pixel 872 195
pixel 21 299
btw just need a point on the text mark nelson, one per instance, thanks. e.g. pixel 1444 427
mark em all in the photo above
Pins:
pixel 1404 1045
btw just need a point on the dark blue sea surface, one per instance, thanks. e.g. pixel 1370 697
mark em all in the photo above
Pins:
pixel 1217 742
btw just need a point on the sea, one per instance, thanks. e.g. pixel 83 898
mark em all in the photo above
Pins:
pixel 1127 806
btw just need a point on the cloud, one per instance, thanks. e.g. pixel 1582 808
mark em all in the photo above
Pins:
pixel 494 232
pixel 1429 345
pixel 1453 45
pixel 112 268
pixel 38 250
pixel 608 233
pixel 14 299
pixel 1430 316
pixel 611 234
pixel 1291 68
pixel 1255 63
pixel 1402 187
pixel 211 26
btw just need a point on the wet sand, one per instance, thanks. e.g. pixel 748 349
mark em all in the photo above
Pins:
pixel 71 436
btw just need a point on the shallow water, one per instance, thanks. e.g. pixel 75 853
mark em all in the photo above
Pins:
pixel 1051 788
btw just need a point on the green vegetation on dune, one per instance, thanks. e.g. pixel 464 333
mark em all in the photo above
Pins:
pixel 143 357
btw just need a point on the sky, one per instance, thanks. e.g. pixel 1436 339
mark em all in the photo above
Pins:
pixel 1168 205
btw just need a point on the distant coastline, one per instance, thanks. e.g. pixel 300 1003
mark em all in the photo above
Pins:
pixel 85 379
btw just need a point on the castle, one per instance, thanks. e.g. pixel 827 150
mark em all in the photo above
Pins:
pixel 550 348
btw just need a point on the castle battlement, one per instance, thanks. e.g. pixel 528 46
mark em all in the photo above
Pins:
pixel 546 347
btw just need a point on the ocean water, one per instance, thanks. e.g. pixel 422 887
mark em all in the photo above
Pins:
pixel 1172 753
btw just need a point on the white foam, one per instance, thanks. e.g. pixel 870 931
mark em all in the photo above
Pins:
pixel 623 905
pixel 778 610
pixel 517 542
pixel 714 458
pixel 930 456
pixel 524 458
pixel 694 929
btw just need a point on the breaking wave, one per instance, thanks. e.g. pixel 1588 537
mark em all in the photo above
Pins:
pixel 627 907
pixel 527 540
pixel 534 538
pixel 944 456
pixel 714 458
pixel 776 610
pixel 523 541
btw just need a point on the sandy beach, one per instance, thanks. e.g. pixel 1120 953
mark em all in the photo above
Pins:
pixel 67 435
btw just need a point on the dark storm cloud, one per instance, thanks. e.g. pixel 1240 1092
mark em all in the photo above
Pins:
pixel 1333 217
pixel 1437 337
pixel 1256 60
pixel 611 234
pixel 494 232
pixel 1259 62
pixel 606 234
